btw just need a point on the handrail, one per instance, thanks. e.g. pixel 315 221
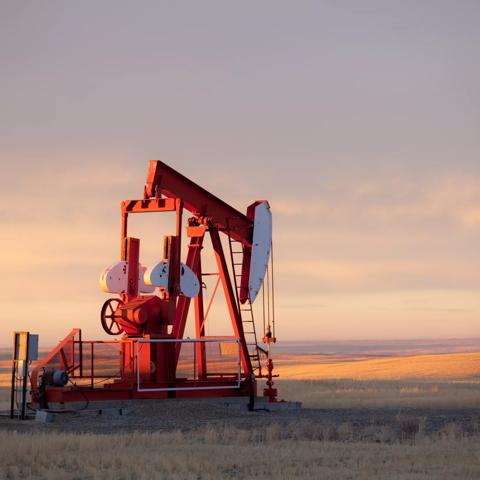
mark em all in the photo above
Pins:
pixel 59 349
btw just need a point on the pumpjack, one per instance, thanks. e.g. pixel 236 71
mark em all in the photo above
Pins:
pixel 151 357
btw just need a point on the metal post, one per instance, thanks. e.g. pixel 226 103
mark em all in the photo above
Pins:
pixel 24 379
pixel 14 375
pixel 91 365
pixel 80 352
pixel 251 403
pixel 200 325
pixel 195 360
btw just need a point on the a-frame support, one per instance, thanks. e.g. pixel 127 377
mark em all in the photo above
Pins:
pixel 200 326
pixel 231 300
pixel 183 304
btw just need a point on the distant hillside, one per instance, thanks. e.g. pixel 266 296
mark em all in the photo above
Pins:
pixel 356 347
pixel 380 347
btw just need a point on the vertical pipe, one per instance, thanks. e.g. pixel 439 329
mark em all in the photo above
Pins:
pixel 72 355
pixel 177 247
pixel 133 253
pixel 92 372
pixel 14 376
pixel 200 324
pixel 80 352
pixel 195 359
pixel 267 277
pixel 183 304
pixel 263 309
pixel 273 296
pixel 25 378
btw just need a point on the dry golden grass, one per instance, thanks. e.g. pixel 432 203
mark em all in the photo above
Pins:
pixel 420 381
pixel 420 367
pixel 227 453
pixel 301 450
pixel 381 394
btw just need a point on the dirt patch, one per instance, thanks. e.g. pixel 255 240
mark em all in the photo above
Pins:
pixel 194 414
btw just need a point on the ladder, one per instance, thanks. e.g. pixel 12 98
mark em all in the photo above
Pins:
pixel 246 309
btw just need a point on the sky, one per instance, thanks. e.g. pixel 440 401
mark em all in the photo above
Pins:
pixel 358 121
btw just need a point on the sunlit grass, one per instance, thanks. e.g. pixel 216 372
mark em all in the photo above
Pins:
pixel 381 394
pixel 419 367
pixel 224 452
pixel 299 449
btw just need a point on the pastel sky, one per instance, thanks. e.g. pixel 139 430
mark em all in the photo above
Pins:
pixel 358 121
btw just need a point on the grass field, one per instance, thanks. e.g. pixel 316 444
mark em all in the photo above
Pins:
pixel 426 381
pixel 226 453
pixel 382 393
pixel 412 389
pixel 416 367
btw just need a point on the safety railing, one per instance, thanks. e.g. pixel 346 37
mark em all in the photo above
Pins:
pixel 99 362
pixel 185 364
pixel 86 362
pixel 203 364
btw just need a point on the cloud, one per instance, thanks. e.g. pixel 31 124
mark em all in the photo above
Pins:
pixel 471 217
pixel 404 201
pixel 374 275
pixel 348 251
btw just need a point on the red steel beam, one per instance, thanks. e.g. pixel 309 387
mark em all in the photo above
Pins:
pixel 162 179
pixel 200 325
pixel 149 205
pixel 183 303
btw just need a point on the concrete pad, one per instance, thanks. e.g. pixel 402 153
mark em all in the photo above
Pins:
pixel 277 406
pixel 44 416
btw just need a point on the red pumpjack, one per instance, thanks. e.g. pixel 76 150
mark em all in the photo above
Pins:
pixel 152 359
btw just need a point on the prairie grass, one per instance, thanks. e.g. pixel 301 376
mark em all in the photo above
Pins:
pixel 224 452
pixel 438 367
pixel 300 449
pixel 381 394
